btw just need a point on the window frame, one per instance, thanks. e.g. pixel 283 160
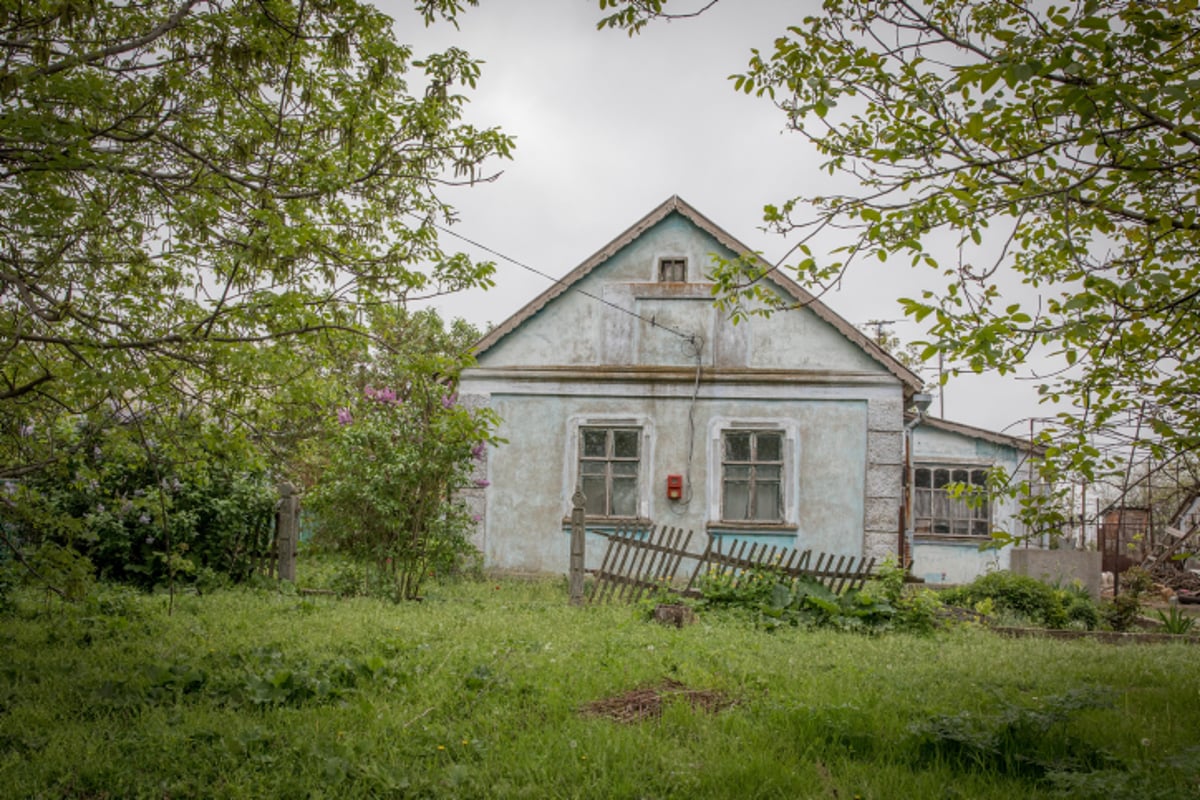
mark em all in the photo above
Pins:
pixel 679 263
pixel 572 463
pixel 754 466
pixel 789 480
pixel 960 518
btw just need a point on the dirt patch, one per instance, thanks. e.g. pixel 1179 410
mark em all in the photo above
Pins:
pixel 637 705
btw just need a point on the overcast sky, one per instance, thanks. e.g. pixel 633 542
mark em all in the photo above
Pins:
pixel 608 126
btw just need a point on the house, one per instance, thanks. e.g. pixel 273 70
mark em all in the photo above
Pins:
pixel 625 380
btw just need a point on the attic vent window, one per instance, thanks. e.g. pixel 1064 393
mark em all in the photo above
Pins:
pixel 672 270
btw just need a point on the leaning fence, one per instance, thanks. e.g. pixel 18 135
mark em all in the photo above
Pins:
pixel 641 558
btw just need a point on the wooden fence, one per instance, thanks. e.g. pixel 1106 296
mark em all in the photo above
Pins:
pixel 639 559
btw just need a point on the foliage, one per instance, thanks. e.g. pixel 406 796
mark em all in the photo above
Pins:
pixel 1053 146
pixel 778 600
pixel 63 568
pixel 1123 611
pixel 252 693
pixel 1014 739
pixel 1027 597
pixel 403 452
pixel 193 189
pixel 1175 621
pixel 138 513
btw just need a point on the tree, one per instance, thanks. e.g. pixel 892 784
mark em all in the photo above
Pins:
pixel 404 448
pixel 1059 145
pixel 191 187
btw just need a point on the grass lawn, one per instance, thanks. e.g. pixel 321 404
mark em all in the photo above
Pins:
pixel 480 691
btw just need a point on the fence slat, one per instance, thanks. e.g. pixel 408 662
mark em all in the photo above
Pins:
pixel 639 559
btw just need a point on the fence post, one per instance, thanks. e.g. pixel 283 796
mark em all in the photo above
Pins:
pixel 287 533
pixel 577 546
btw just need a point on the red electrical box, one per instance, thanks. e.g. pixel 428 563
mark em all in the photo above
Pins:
pixel 674 487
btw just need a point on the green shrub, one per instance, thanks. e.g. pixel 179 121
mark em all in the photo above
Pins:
pixel 777 600
pixel 120 501
pixel 1122 611
pixel 1175 621
pixel 1026 597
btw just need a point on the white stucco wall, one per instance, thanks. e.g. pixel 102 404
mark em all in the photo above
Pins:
pixel 579 359
pixel 532 477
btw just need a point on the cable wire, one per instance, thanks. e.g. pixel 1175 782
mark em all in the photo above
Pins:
pixel 649 320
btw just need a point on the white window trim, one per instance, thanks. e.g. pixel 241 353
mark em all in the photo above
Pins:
pixel 791 468
pixel 645 464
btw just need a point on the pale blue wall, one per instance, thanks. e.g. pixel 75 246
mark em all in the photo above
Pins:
pixel 945 560
pixel 578 357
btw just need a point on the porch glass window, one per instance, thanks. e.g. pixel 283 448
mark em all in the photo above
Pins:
pixel 609 460
pixel 752 476
pixel 937 511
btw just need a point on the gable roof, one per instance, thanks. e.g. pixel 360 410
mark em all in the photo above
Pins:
pixel 676 204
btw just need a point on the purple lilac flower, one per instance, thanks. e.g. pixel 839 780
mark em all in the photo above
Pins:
pixel 476 518
pixel 344 416
pixel 144 519
pixel 385 395
pixel 27 429
pixel 483 483
pixel 449 400
pixel 477 452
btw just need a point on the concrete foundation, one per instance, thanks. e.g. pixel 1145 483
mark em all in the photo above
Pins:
pixel 1059 567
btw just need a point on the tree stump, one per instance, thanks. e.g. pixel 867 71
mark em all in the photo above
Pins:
pixel 675 614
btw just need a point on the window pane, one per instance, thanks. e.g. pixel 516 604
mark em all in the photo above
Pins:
pixel 940 478
pixel 737 473
pixel 594 442
pixel 923 477
pixel 737 500
pixel 624 502
pixel 979 528
pixel 625 444
pixel 597 501
pixel 767 473
pixel 737 447
pixel 767 502
pixel 625 469
pixel 770 447
pixel 979 477
pixel 923 503
pixel 592 468
pixel 960 476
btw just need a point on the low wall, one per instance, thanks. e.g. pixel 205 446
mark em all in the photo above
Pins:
pixel 1059 566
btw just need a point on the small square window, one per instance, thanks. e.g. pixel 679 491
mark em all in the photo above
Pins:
pixel 672 270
